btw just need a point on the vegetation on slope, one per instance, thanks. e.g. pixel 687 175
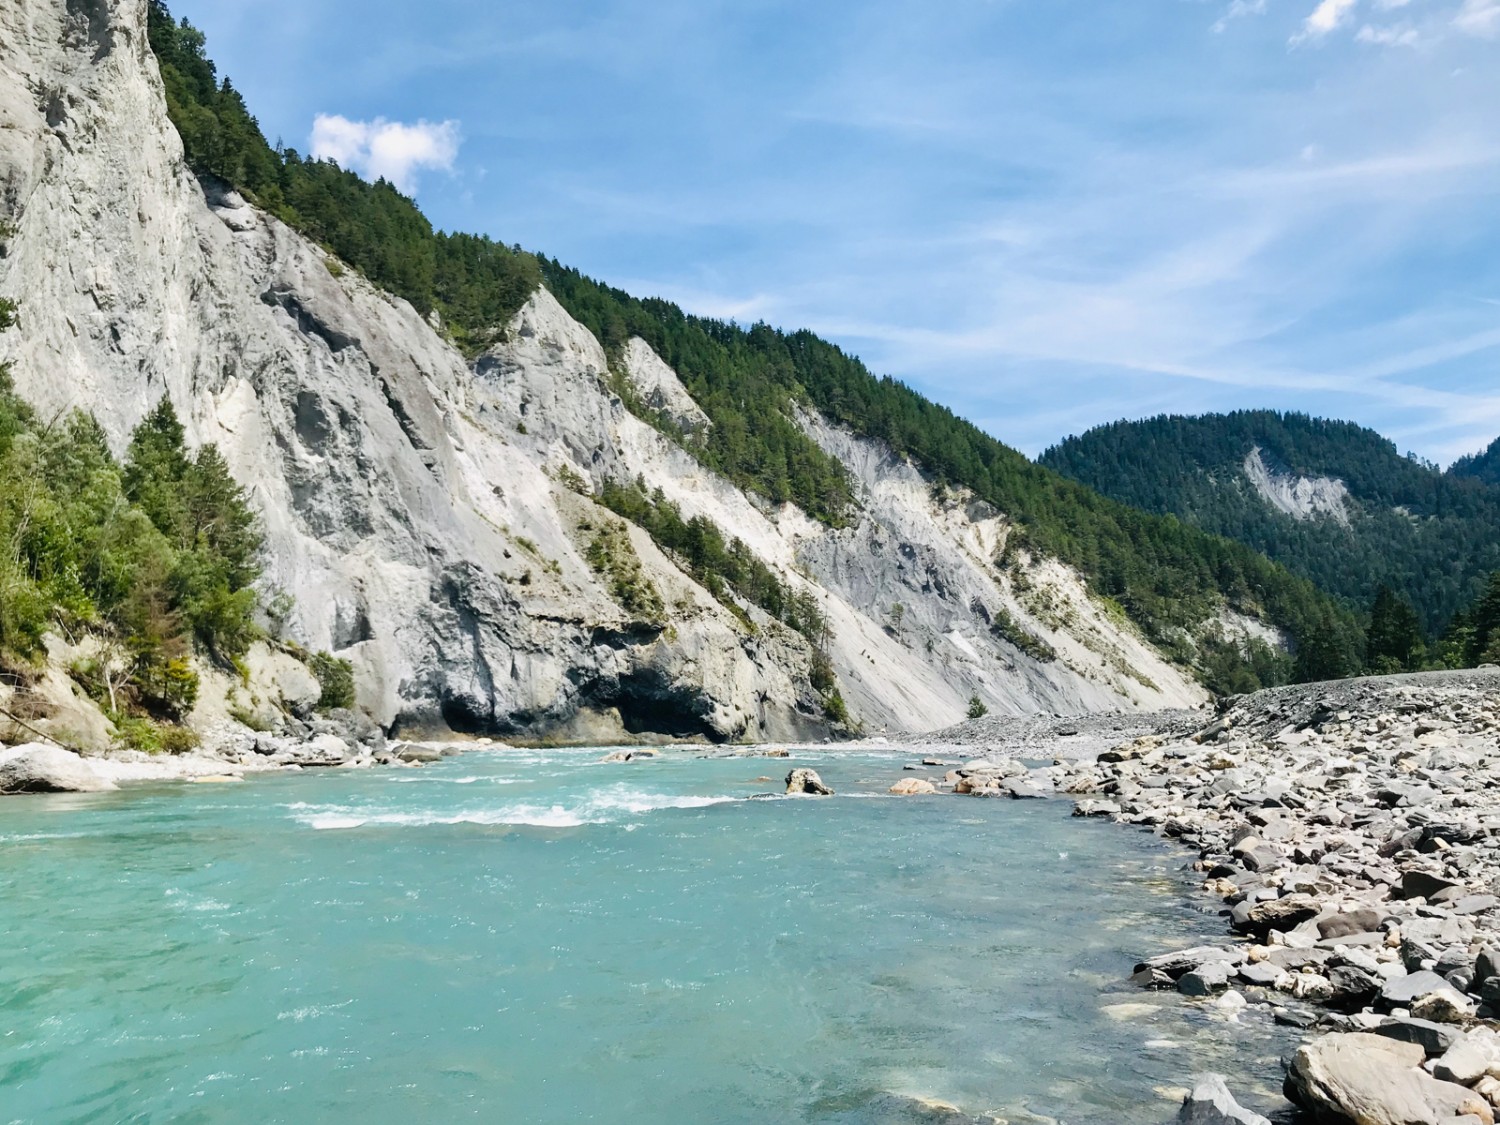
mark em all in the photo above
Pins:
pixel 473 282
pixel 156 556
pixel 1428 536
pixel 1479 466
pixel 1171 578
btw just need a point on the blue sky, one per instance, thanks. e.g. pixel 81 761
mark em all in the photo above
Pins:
pixel 1046 214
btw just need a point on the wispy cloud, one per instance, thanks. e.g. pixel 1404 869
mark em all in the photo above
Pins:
pixel 1394 35
pixel 1326 17
pixel 1479 17
pixel 389 150
pixel 1239 9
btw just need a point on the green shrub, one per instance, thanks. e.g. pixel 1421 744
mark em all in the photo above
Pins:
pixel 612 556
pixel 977 709
pixel 336 677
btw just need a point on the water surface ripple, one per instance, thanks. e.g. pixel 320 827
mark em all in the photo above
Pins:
pixel 538 937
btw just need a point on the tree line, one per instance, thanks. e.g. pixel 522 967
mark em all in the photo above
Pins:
pixel 1171 578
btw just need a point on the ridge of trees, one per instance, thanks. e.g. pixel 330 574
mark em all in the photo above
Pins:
pixel 1479 466
pixel 1430 537
pixel 1171 578
pixel 474 283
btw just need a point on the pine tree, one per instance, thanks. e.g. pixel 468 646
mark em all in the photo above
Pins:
pixel 1484 619
pixel 156 469
pixel 1393 642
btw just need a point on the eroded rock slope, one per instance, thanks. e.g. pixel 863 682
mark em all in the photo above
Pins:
pixel 424 512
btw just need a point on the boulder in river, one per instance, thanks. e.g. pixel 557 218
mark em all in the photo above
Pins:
pixel 807 781
pixel 1373 1080
pixel 40 768
pixel 913 787
pixel 1211 1103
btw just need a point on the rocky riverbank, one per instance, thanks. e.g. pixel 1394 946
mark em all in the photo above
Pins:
pixel 1352 832
pixel 228 753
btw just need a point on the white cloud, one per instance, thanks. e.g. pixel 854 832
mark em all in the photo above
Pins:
pixel 1479 17
pixel 1326 17
pixel 1239 9
pixel 390 150
pixel 1397 35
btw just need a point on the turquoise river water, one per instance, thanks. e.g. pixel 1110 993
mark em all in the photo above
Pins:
pixel 519 936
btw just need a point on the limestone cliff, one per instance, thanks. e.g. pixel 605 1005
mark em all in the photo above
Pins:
pixel 424 512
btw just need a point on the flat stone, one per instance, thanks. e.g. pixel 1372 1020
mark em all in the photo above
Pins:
pixel 1401 992
pixel 1434 1038
pixel 1475 904
pixel 1475 1056
pixel 1263 973
pixel 1349 922
pixel 1375 1080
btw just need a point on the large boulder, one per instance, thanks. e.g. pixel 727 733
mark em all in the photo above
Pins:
pixel 1278 914
pixel 806 781
pixel 1211 1103
pixel 1372 1080
pixel 40 768
pixel 913 787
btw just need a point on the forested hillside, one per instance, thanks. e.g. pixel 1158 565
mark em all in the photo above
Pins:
pixel 1168 576
pixel 1429 536
pixel 1479 466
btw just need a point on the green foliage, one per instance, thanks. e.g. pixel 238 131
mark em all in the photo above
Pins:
pixel 835 710
pixel 1008 629
pixel 718 565
pixel 612 557
pixel 977 709
pixel 336 678
pixel 81 547
pixel 1393 641
pixel 1428 536
pixel 247 717
pixel 746 381
pixel 1483 467
pixel 210 530
pixel 1237 667
pixel 1482 624
pixel 474 283
pixel 135 732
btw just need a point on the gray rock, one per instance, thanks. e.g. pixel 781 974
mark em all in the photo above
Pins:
pixel 1404 991
pixel 41 768
pixel 1374 1080
pixel 1433 1038
pixel 806 781
pixel 1204 980
pixel 1349 922
pixel 1184 960
pixel 1211 1103
pixel 1423 884
pixel 1473 1057
pixel 1281 914
pixel 1262 973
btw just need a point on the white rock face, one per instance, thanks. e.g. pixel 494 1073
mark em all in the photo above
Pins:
pixel 413 505
pixel 1302 498
pixel 661 389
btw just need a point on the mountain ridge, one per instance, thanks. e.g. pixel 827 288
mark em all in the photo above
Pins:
pixel 431 493
pixel 1368 516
